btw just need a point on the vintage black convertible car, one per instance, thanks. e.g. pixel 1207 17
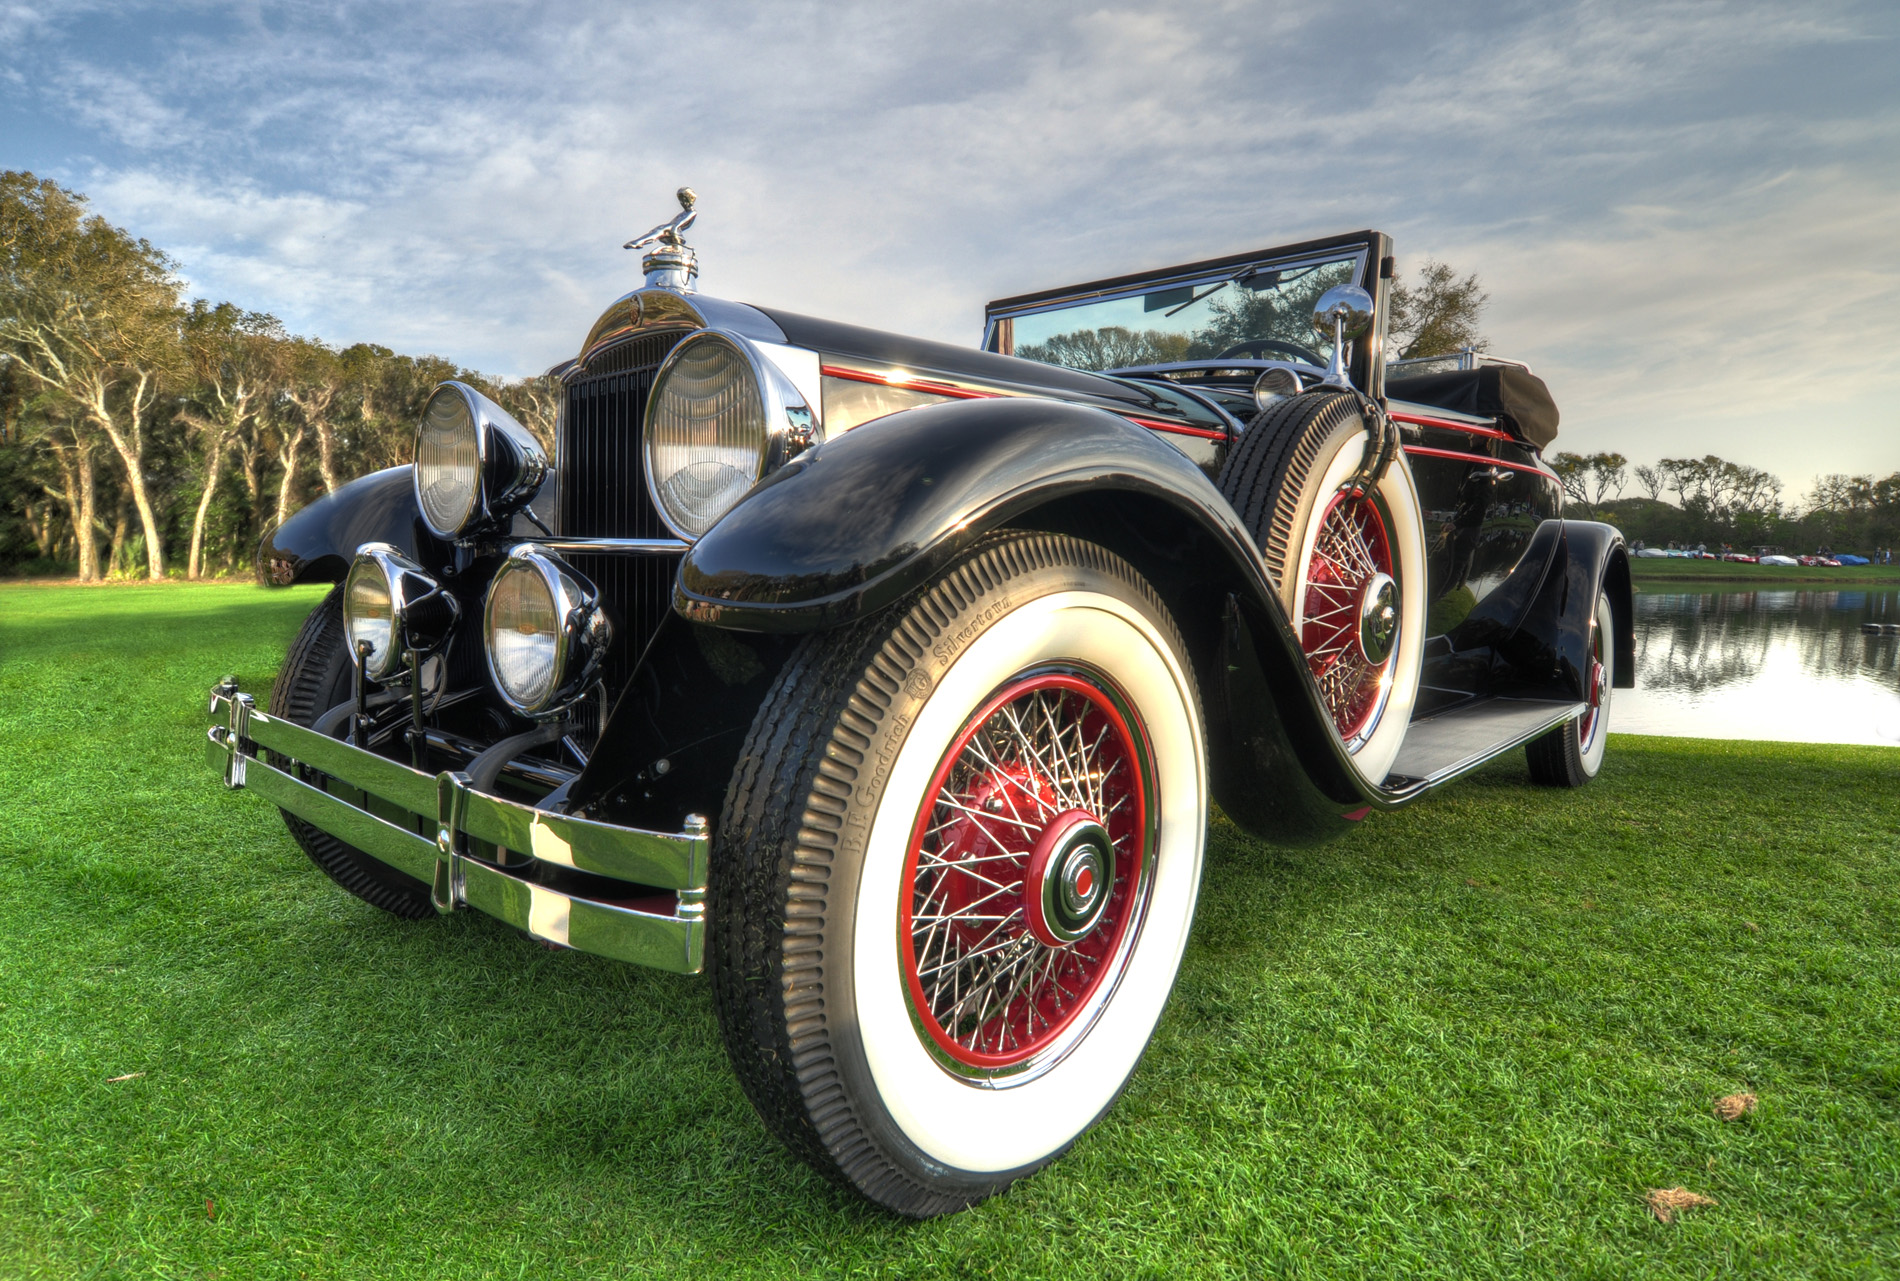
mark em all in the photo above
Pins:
pixel 891 681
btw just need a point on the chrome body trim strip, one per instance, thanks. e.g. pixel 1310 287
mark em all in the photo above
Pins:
pixel 613 546
pixel 672 941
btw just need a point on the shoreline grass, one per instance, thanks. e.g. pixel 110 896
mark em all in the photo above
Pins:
pixel 1468 1040
pixel 1644 571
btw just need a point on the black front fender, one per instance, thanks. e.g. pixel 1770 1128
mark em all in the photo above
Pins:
pixel 862 520
pixel 865 518
pixel 318 543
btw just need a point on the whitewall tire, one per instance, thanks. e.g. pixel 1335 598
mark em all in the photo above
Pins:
pixel 956 874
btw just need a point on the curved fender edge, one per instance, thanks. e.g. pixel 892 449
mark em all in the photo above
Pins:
pixel 318 543
pixel 864 519
pixel 1548 648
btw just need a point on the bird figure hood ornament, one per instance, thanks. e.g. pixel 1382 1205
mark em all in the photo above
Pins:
pixel 671 262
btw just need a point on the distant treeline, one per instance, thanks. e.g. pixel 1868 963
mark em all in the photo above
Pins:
pixel 144 434
pixel 1712 502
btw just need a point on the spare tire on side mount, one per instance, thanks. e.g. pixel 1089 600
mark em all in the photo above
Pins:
pixel 1347 559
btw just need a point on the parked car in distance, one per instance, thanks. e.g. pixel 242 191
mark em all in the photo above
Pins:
pixel 891 682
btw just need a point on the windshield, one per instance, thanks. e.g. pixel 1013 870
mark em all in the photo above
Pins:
pixel 1261 313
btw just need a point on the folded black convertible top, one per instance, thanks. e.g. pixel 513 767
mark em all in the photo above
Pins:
pixel 1516 396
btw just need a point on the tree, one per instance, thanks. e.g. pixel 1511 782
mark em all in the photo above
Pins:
pixel 1110 347
pixel 315 380
pixel 1438 315
pixel 1729 497
pixel 1592 479
pixel 234 357
pixel 1653 482
pixel 89 316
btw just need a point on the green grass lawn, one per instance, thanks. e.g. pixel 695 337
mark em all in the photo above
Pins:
pixel 1645 571
pixel 1465 1041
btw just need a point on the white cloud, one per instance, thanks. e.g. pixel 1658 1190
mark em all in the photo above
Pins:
pixel 1665 200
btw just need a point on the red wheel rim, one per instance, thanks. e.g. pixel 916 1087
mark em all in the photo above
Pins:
pixel 1593 693
pixel 987 991
pixel 1351 549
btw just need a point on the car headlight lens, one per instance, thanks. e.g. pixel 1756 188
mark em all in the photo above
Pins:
pixel 448 463
pixel 706 434
pixel 546 632
pixel 475 465
pixel 390 604
pixel 369 616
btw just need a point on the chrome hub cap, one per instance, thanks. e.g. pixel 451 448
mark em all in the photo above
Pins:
pixel 1065 886
pixel 1379 618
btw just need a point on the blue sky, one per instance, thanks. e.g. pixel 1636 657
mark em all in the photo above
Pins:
pixel 1688 216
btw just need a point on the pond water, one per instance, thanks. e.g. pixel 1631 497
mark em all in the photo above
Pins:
pixel 1787 665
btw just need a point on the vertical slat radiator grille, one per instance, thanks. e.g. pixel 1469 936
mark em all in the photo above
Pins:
pixel 603 494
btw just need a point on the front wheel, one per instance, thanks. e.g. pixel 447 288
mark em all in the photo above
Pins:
pixel 956 871
pixel 1572 754
pixel 317 675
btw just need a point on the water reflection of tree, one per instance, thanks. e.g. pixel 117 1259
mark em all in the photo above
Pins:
pixel 1698 643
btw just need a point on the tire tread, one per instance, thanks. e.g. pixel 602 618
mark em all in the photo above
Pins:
pixel 768 893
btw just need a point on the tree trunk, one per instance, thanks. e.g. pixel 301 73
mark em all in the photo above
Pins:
pixel 214 461
pixel 115 549
pixel 326 455
pixel 252 453
pixel 293 445
pixel 76 492
pixel 85 512
pixel 39 519
pixel 141 499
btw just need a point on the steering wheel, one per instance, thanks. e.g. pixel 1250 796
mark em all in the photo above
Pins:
pixel 1260 347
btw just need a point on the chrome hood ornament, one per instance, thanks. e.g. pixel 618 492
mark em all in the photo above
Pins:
pixel 671 263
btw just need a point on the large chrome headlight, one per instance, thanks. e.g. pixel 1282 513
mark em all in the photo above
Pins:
pixel 720 417
pixel 475 465
pixel 545 630
pixel 391 605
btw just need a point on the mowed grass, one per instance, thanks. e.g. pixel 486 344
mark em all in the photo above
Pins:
pixel 1466 1041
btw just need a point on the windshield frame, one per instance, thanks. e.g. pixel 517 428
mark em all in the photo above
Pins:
pixel 1372 251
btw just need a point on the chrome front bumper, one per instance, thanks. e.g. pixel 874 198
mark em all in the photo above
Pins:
pixel 383 808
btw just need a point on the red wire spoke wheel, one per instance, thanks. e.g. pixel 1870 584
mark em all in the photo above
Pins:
pixel 1346 556
pixel 1023 871
pixel 1349 619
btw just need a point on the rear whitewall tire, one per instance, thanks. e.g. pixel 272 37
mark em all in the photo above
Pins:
pixel 1572 754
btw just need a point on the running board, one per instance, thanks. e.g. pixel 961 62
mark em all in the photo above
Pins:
pixel 1444 746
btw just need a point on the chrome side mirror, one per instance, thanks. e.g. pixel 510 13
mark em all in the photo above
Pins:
pixel 1344 311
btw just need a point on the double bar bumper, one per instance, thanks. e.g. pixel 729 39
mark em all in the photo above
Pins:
pixel 383 808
